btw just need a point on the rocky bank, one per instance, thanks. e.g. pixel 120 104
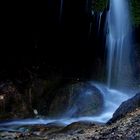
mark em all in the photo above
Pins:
pixel 126 127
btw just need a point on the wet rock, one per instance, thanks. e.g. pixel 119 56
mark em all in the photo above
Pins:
pixel 43 130
pixel 126 128
pixel 126 107
pixel 75 100
pixel 76 127
pixel 10 135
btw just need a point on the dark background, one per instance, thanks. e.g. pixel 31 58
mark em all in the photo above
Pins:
pixel 34 36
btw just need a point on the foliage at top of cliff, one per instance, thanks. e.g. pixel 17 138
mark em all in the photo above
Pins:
pixel 135 8
pixel 100 5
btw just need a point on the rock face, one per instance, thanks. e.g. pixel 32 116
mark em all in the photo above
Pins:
pixel 80 99
pixel 126 107
pixel 12 103
pixel 46 98
pixel 41 94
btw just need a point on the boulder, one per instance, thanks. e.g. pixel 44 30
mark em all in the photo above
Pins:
pixel 75 100
pixel 127 106
pixel 41 93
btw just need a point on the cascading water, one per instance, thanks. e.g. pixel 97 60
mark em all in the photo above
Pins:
pixel 61 10
pixel 99 24
pixel 119 70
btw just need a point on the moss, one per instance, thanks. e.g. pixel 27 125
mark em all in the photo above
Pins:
pixel 135 8
pixel 99 5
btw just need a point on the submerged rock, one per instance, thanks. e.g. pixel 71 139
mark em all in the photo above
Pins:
pixel 75 100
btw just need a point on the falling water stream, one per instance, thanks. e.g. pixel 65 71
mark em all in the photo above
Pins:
pixel 119 70
pixel 61 10
pixel 99 24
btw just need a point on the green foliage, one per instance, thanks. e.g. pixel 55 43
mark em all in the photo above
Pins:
pixel 99 5
pixel 135 8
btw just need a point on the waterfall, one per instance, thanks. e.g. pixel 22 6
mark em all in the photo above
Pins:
pixel 119 70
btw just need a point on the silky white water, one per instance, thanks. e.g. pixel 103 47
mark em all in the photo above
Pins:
pixel 119 69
